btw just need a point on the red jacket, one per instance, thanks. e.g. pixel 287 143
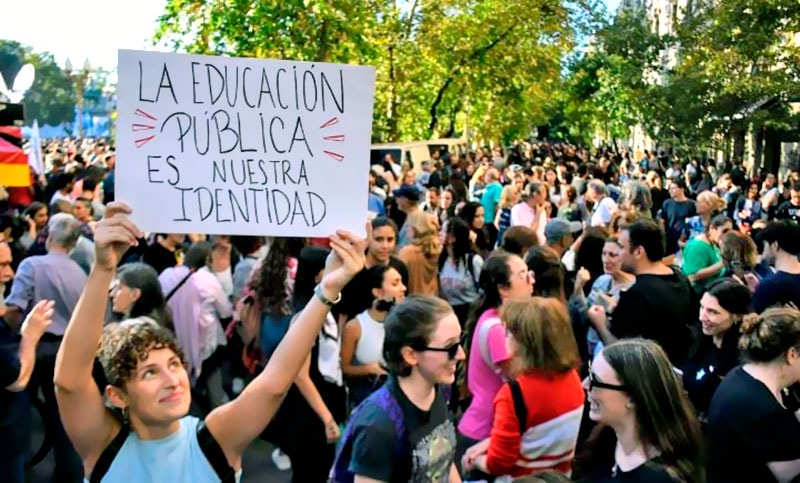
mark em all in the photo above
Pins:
pixel 554 403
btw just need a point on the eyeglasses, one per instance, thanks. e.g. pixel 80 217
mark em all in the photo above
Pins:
pixel 452 350
pixel 595 382
pixel 527 276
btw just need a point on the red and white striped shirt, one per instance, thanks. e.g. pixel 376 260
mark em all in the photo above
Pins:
pixel 554 402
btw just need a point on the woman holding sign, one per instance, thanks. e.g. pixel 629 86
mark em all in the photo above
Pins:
pixel 156 440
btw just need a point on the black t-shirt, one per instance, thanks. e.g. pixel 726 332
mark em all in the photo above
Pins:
pixel 159 257
pixel 747 428
pixel 707 366
pixel 601 466
pixel 357 296
pixel 658 307
pixel 431 442
pixel 674 214
pixel 787 211
pixel 779 288
pixel 14 406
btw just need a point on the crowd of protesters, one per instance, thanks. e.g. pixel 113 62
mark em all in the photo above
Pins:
pixel 542 313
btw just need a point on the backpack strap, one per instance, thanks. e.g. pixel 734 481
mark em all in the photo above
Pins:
pixel 214 454
pixel 471 268
pixel 385 400
pixel 107 456
pixel 483 341
pixel 519 405
pixel 180 284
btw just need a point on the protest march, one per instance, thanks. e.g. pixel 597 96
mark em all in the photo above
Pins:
pixel 238 283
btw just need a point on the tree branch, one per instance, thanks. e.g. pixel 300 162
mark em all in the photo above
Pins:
pixel 474 55
pixel 410 22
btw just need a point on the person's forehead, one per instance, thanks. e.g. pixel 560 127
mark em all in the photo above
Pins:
pixel 516 264
pixel 5 252
pixel 447 327
pixel 157 355
pixel 709 301
pixel 383 232
pixel 603 369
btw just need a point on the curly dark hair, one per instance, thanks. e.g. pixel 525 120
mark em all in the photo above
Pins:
pixel 270 281
pixel 123 348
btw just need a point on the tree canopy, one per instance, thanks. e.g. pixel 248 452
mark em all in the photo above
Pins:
pixel 728 63
pixel 491 66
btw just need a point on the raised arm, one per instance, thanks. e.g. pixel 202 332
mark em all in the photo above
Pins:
pixel 235 424
pixel 87 422
pixel 32 330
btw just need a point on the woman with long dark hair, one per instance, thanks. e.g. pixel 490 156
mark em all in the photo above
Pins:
pixel 459 269
pixel 33 240
pixel 472 213
pixel 722 308
pixel 447 205
pixel 270 290
pixel 504 277
pixel 306 426
pixel 137 295
pixel 647 430
pixel 362 340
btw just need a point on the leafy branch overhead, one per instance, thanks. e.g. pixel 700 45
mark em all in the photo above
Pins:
pixel 726 65
pixel 493 66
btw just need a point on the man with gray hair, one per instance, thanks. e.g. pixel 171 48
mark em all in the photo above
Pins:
pixel 57 277
pixel 82 251
pixel 604 206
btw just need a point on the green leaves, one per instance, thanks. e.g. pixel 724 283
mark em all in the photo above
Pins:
pixel 723 60
pixel 492 65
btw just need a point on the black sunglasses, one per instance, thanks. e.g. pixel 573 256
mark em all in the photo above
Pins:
pixel 452 350
pixel 594 382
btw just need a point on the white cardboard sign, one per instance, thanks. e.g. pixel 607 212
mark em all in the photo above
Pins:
pixel 241 146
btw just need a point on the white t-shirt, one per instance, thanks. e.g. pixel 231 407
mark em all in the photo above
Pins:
pixel 602 212
pixel 369 348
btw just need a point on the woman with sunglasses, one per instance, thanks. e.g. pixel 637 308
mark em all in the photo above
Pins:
pixel 538 414
pixel 647 431
pixel 403 432
pixel 156 439
pixel 504 277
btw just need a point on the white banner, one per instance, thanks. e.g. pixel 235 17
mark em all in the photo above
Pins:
pixel 240 146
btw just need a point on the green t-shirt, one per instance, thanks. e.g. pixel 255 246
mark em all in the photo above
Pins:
pixel 698 255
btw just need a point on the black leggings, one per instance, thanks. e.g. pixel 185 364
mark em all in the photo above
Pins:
pixel 298 431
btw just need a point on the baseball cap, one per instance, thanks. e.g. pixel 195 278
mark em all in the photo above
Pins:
pixel 410 192
pixel 558 228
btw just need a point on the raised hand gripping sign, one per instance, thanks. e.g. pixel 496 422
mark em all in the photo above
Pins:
pixel 241 146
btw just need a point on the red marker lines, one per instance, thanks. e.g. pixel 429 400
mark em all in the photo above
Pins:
pixel 336 156
pixel 335 137
pixel 141 142
pixel 330 122
pixel 141 127
pixel 141 113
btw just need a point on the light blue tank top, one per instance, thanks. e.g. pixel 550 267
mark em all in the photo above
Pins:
pixel 174 459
